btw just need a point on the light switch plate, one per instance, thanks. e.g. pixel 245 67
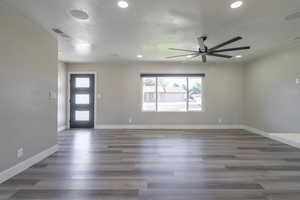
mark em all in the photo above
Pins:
pixel 20 153
pixel 297 80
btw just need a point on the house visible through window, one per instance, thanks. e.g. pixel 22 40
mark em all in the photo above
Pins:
pixel 172 93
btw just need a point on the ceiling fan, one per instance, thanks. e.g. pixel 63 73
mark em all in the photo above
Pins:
pixel 204 51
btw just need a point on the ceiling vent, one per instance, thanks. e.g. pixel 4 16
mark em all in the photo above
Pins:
pixel 293 16
pixel 60 33
pixel 79 14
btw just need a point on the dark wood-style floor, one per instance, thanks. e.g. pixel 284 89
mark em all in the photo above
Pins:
pixel 161 165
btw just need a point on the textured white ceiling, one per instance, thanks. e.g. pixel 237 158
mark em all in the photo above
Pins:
pixel 150 27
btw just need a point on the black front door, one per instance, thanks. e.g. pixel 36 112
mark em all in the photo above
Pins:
pixel 82 95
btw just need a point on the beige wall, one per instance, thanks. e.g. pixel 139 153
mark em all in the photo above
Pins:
pixel 120 89
pixel 28 71
pixel 272 97
pixel 62 96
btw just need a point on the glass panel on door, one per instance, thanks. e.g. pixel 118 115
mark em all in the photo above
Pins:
pixel 82 83
pixel 82 115
pixel 82 99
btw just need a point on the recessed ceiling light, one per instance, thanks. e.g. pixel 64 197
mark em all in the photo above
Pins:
pixel 83 47
pixel 139 56
pixel 189 56
pixel 123 4
pixel 239 56
pixel 236 4
pixel 79 14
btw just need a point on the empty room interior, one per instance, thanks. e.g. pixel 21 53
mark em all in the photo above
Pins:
pixel 149 100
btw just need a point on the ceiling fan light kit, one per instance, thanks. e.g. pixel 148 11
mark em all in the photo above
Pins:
pixel 215 51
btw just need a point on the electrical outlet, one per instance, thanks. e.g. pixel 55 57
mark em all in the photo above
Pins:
pixel 220 120
pixel 130 120
pixel 297 81
pixel 20 153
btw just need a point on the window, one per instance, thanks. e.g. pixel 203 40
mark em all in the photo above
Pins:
pixel 195 93
pixel 149 94
pixel 172 93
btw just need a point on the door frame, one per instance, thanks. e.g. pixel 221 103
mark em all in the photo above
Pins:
pixel 69 96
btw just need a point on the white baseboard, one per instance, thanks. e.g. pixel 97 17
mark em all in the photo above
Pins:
pixel 271 136
pixel 61 128
pixel 285 141
pixel 255 130
pixel 165 127
pixel 11 172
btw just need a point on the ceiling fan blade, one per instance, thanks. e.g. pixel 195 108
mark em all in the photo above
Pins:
pixel 183 50
pixel 201 43
pixel 226 43
pixel 219 55
pixel 204 58
pixel 231 49
pixel 178 56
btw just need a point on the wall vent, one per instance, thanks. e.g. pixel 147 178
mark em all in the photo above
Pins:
pixel 60 33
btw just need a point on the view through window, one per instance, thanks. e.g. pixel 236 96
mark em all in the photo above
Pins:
pixel 171 93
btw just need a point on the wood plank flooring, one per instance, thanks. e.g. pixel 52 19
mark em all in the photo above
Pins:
pixel 161 165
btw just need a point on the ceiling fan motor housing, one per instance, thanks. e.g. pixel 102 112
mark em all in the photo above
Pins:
pixel 204 38
pixel 205 50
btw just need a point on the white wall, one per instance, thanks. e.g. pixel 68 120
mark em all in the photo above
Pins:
pixel 272 97
pixel 120 89
pixel 28 71
pixel 62 97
